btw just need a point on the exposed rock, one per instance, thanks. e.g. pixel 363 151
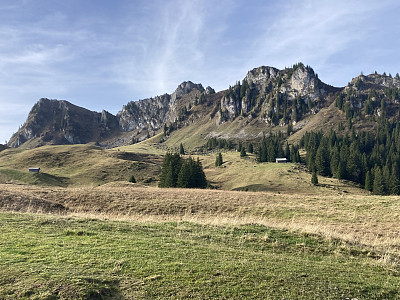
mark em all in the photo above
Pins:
pixel 60 122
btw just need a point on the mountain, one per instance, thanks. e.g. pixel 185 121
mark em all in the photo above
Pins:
pixel 293 100
pixel 60 122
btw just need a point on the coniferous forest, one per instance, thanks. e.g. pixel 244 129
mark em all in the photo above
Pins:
pixel 370 160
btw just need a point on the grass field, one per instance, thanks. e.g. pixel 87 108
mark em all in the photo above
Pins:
pixel 77 165
pixel 79 230
pixel 49 257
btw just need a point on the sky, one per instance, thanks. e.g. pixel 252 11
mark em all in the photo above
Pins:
pixel 101 54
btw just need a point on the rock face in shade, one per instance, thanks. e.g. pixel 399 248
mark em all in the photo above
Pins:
pixel 60 122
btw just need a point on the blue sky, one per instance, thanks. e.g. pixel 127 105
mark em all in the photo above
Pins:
pixel 101 54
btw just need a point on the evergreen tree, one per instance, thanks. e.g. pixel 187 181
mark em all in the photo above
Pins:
pixel 243 152
pixel 378 187
pixel 271 153
pixel 250 148
pixel 394 181
pixel 368 182
pixel 132 179
pixel 240 146
pixel 181 150
pixel 334 160
pixel 185 174
pixel 287 151
pixel 314 177
pixel 218 160
pixel 322 161
pixel 170 169
pixel 386 179
pixel 354 163
pixel 191 175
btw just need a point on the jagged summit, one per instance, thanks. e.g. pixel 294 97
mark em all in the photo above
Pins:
pixel 374 81
pixel 186 87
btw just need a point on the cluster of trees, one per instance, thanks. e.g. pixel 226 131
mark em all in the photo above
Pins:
pixel 183 173
pixel 271 148
pixel 371 161
pixel 213 143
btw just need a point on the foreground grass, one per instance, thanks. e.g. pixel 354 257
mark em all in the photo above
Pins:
pixel 46 257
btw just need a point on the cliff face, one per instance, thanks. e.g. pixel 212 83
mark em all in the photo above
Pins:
pixel 275 95
pixel 60 122
pixel 151 114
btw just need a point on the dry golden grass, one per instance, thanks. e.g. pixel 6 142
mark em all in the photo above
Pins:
pixel 360 219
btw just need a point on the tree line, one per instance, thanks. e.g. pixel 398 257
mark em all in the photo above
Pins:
pixel 372 161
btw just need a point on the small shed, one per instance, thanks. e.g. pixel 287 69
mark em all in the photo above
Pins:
pixel 281 160
pixel 34 170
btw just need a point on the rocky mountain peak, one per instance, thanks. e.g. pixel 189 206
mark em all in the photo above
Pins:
pixel 261 75
pixel 375 81
pixel 186 87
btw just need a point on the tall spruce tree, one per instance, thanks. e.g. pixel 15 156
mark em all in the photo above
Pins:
pixel 181 149
pixel 170 169
pixel 243 152
pixel 250 148
pixel 314 177
pixel 322 161
pixel 218 160
pixel 379 186
pixel 368 182
pixel 394 181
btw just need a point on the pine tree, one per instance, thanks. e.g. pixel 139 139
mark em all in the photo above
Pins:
pixel 271 153
pixel 181 149
pixel 170 169
pixel 368 182
pixel 394 181
pixel 340 171
pixel 132 179
pixel 378 187
pixel 314 177
pixel 287 151
pixel 218 160
pixel 243 152
pixel 185 174
pixel 386 179
pixel 322 161
pixel 191 175
pixel 250 148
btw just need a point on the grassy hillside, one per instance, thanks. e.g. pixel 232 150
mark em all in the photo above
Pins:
pixel 85 165
pixel 76 165
pixel 47 257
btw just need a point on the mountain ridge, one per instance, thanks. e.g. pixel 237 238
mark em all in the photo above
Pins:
pixel 267 99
